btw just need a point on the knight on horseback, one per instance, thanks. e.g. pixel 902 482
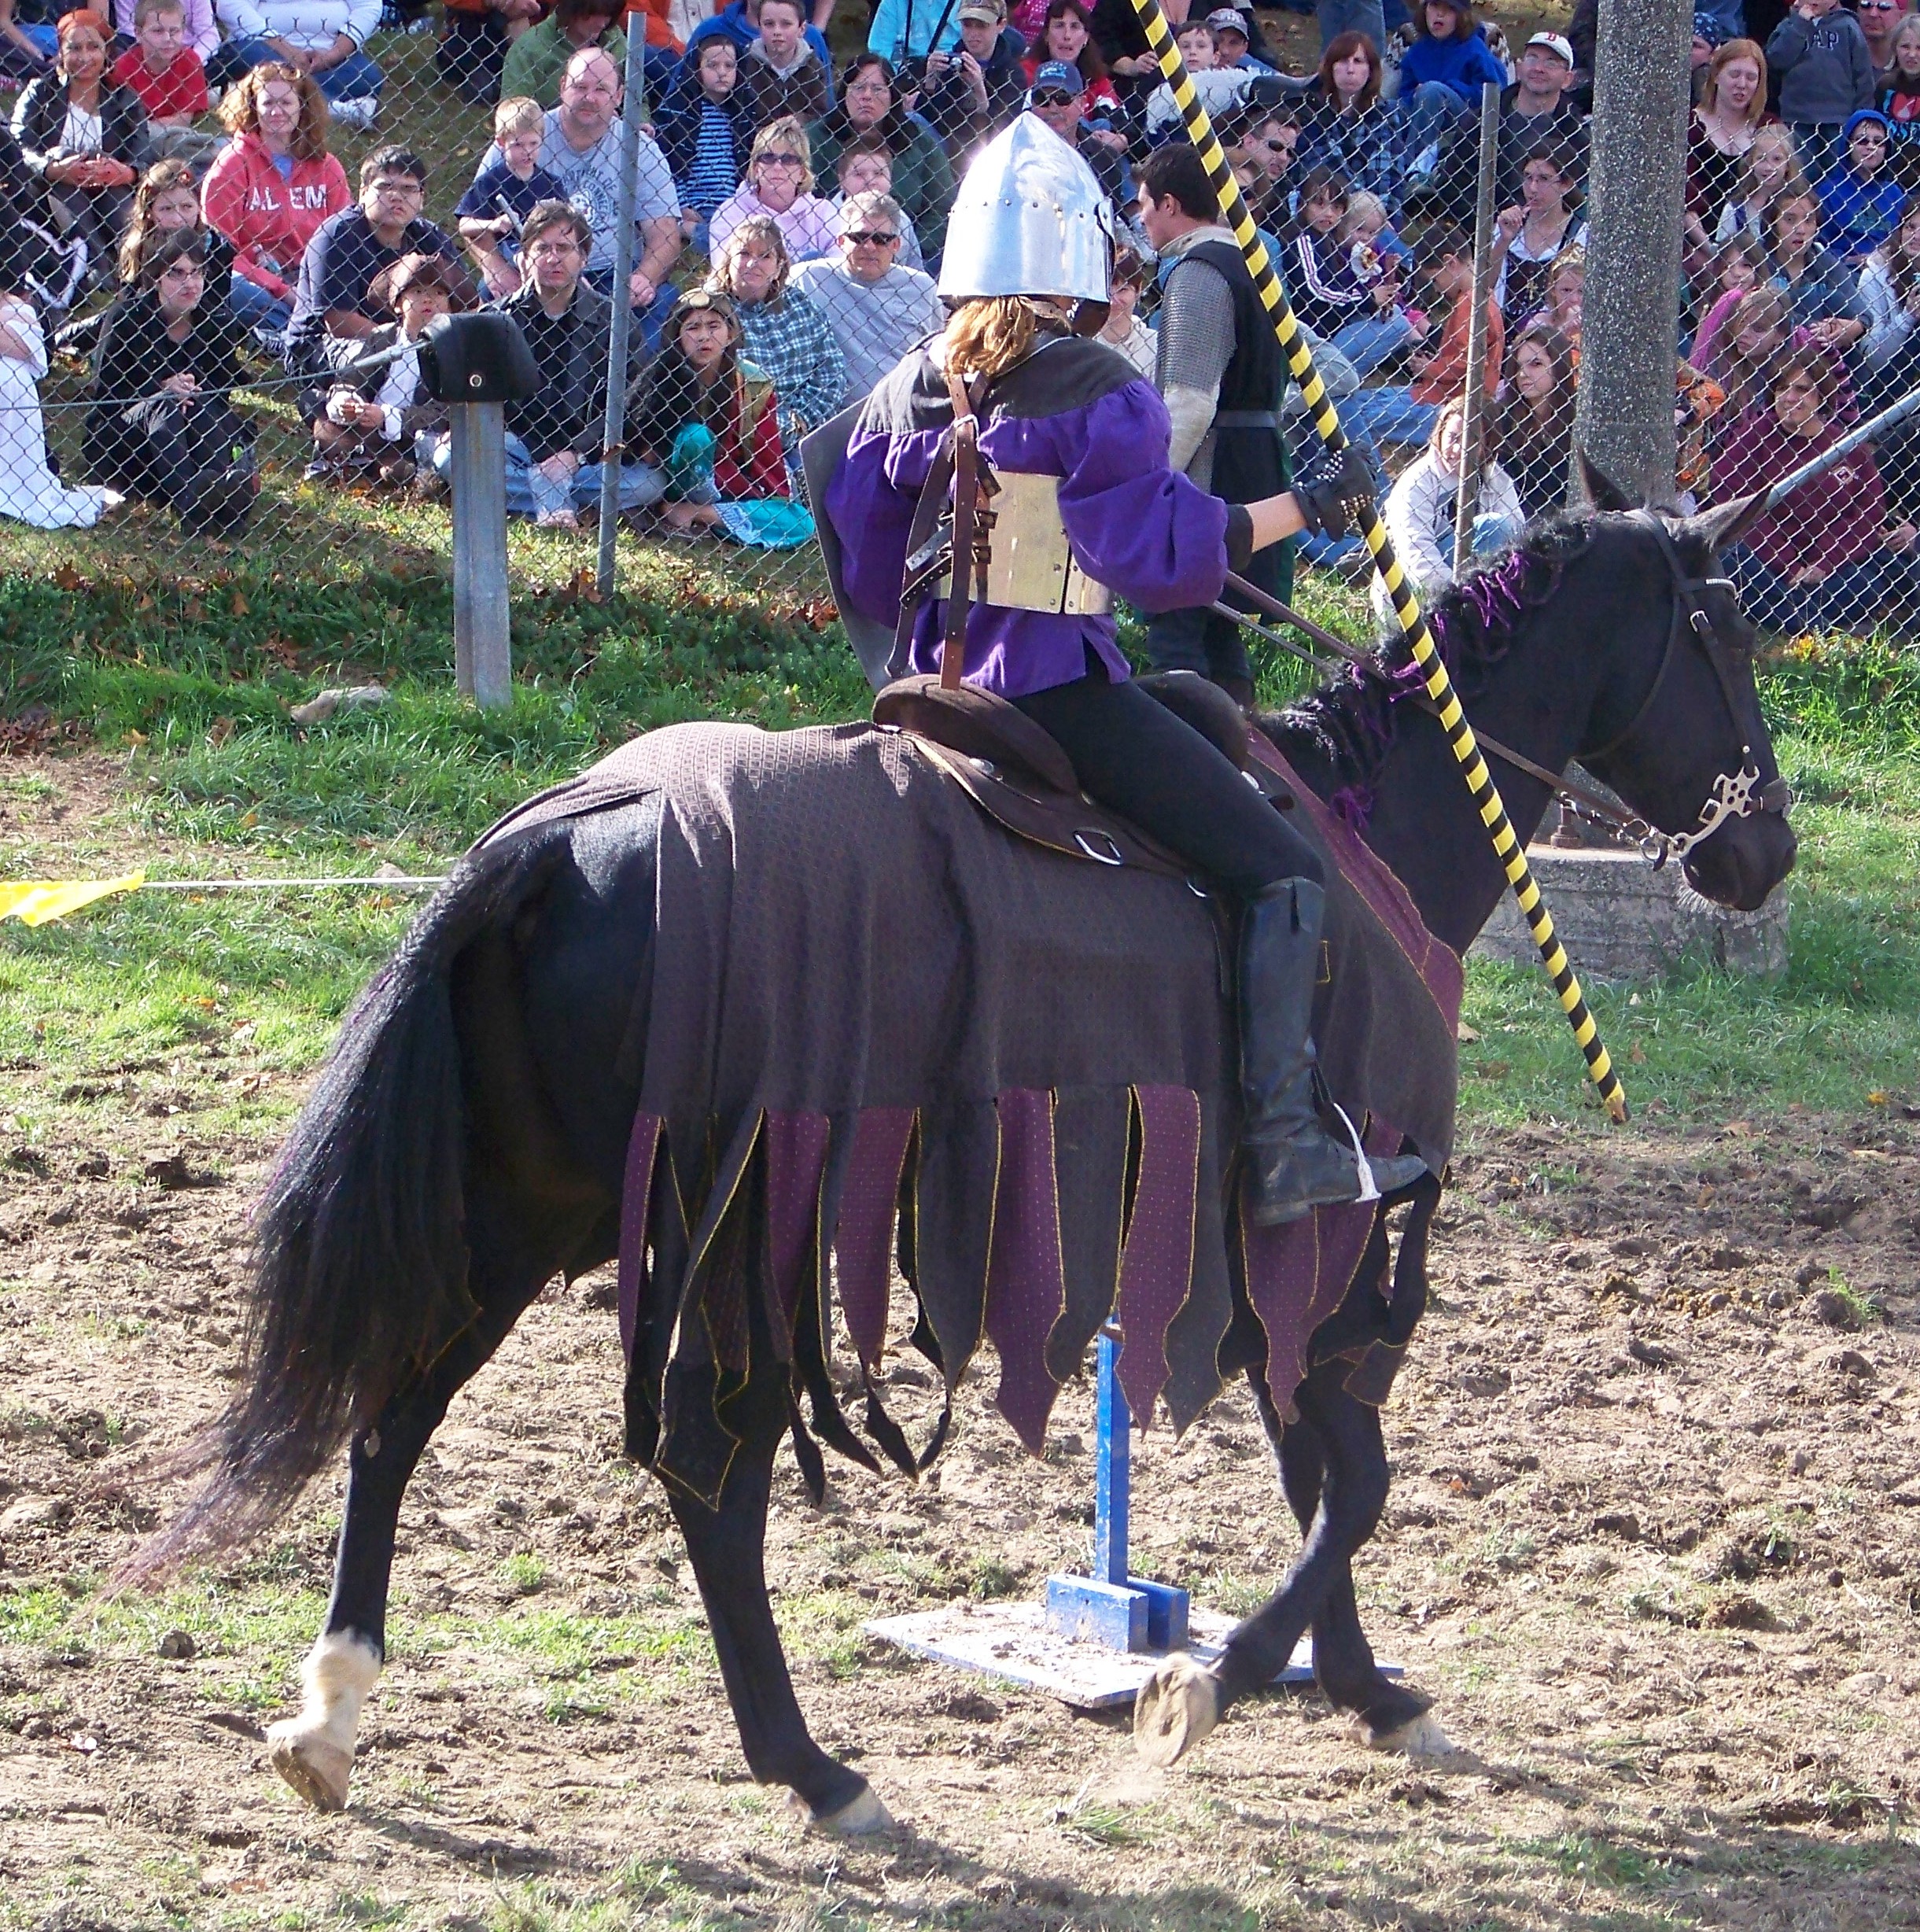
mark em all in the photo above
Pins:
pixel 1014 458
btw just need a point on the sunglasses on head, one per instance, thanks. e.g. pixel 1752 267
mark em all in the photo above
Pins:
pixel 870 238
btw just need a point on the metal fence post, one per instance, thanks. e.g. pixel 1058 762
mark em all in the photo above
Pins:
pixel 612 450
pixel 1467 491
pixel 482 637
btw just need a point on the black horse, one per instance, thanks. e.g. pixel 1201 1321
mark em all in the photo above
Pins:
pixel 467 1139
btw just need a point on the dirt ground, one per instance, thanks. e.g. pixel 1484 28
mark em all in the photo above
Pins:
pixel 1653 1548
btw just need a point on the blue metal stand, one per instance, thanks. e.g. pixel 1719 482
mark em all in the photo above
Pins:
pixel 1109 1607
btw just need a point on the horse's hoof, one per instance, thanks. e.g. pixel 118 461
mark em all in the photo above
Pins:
pixel 1177 1707
pixel 1420 1737
pixel 861 1814
pixel 315 1768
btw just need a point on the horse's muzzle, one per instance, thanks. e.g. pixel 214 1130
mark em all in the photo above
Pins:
pixel 1743 861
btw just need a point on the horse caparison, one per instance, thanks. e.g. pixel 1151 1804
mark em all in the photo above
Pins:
pixel 465 1143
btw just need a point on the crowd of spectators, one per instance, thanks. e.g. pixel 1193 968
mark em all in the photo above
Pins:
pixel 176 216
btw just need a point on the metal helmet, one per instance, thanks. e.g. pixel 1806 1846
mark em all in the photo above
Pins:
pixel 1030 218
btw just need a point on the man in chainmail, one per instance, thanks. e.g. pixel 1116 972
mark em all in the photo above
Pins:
pixel 1221 375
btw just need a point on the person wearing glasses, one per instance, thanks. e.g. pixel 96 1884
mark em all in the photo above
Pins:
pixel 1057 100
pixel 869 106
pixel 877 311
pixel 1880 20
pixel 778 187
pixel 1088 508
pixel 554 436
pixel 348 249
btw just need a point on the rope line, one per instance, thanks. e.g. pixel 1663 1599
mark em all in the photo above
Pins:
pixel 1507 846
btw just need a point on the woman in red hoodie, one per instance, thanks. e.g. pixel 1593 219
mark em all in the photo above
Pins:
pixel 271 186
pixel 1827 559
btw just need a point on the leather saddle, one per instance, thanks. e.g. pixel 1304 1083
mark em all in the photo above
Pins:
pixel 1020 777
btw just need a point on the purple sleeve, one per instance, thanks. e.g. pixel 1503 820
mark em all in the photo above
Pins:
pixel 870 501
pixel 1144 531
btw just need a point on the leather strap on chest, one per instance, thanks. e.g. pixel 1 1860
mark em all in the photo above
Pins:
pixel 962 550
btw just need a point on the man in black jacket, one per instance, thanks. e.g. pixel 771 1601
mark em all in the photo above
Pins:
pixel 1539 111
pixel 554 437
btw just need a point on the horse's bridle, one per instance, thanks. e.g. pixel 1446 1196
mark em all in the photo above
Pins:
pixel 1741 795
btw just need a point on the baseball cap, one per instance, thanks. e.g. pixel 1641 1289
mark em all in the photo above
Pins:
pixel 987 11
pixel 1226 20
pixel 1062 74
pixel 1554 44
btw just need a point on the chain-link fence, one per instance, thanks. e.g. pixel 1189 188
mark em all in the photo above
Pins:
pixel 228 220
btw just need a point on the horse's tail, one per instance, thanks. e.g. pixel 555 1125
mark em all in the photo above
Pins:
pixel 359 1258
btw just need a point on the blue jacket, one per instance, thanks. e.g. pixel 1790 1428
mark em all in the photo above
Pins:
pixel 1858 215
pixel 1466 65
pixel 907 27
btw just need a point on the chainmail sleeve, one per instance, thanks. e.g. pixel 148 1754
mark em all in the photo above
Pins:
pixel 1196 344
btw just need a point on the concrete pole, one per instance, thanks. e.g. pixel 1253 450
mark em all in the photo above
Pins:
pixel 631 109
pixel 482 641
pixel 1636 178
pixel 1467 491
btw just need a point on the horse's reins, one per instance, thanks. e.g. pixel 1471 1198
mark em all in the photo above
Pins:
pixel 1740 796
pixel 1589 803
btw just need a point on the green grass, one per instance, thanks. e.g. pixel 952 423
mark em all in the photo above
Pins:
pixel 1844 1023
pixel 194 685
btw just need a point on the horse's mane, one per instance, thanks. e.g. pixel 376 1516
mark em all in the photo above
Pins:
pixel 1351 721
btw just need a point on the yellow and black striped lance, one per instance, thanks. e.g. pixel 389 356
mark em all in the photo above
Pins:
pixel 1507 846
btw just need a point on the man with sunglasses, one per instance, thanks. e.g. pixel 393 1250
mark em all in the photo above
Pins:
pixel 1880 20
pixel 877 311
pixel 1058 97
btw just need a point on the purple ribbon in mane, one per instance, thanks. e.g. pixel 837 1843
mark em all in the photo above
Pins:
pixel 1498 598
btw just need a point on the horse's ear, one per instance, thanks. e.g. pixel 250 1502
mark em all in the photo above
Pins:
pixel 1723 525
pixel 1602 491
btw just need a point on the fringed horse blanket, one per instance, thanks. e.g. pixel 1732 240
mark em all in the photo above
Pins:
pixel 878 1025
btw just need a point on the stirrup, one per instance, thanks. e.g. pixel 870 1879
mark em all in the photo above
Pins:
pixel 1369 1188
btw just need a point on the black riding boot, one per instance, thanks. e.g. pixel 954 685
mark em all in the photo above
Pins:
pixel 1296 1165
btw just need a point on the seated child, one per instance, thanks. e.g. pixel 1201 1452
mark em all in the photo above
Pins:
pixel 510 184
pixel 1222 89
pixel 165 75
pixel 866 167
pixel 706 132
pixel 1350 295
pixel 1860 199
pixel 377 420
pixel 1231 43
pixel 707 422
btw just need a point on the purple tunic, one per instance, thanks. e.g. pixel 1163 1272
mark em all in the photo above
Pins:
pixel 1140 528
